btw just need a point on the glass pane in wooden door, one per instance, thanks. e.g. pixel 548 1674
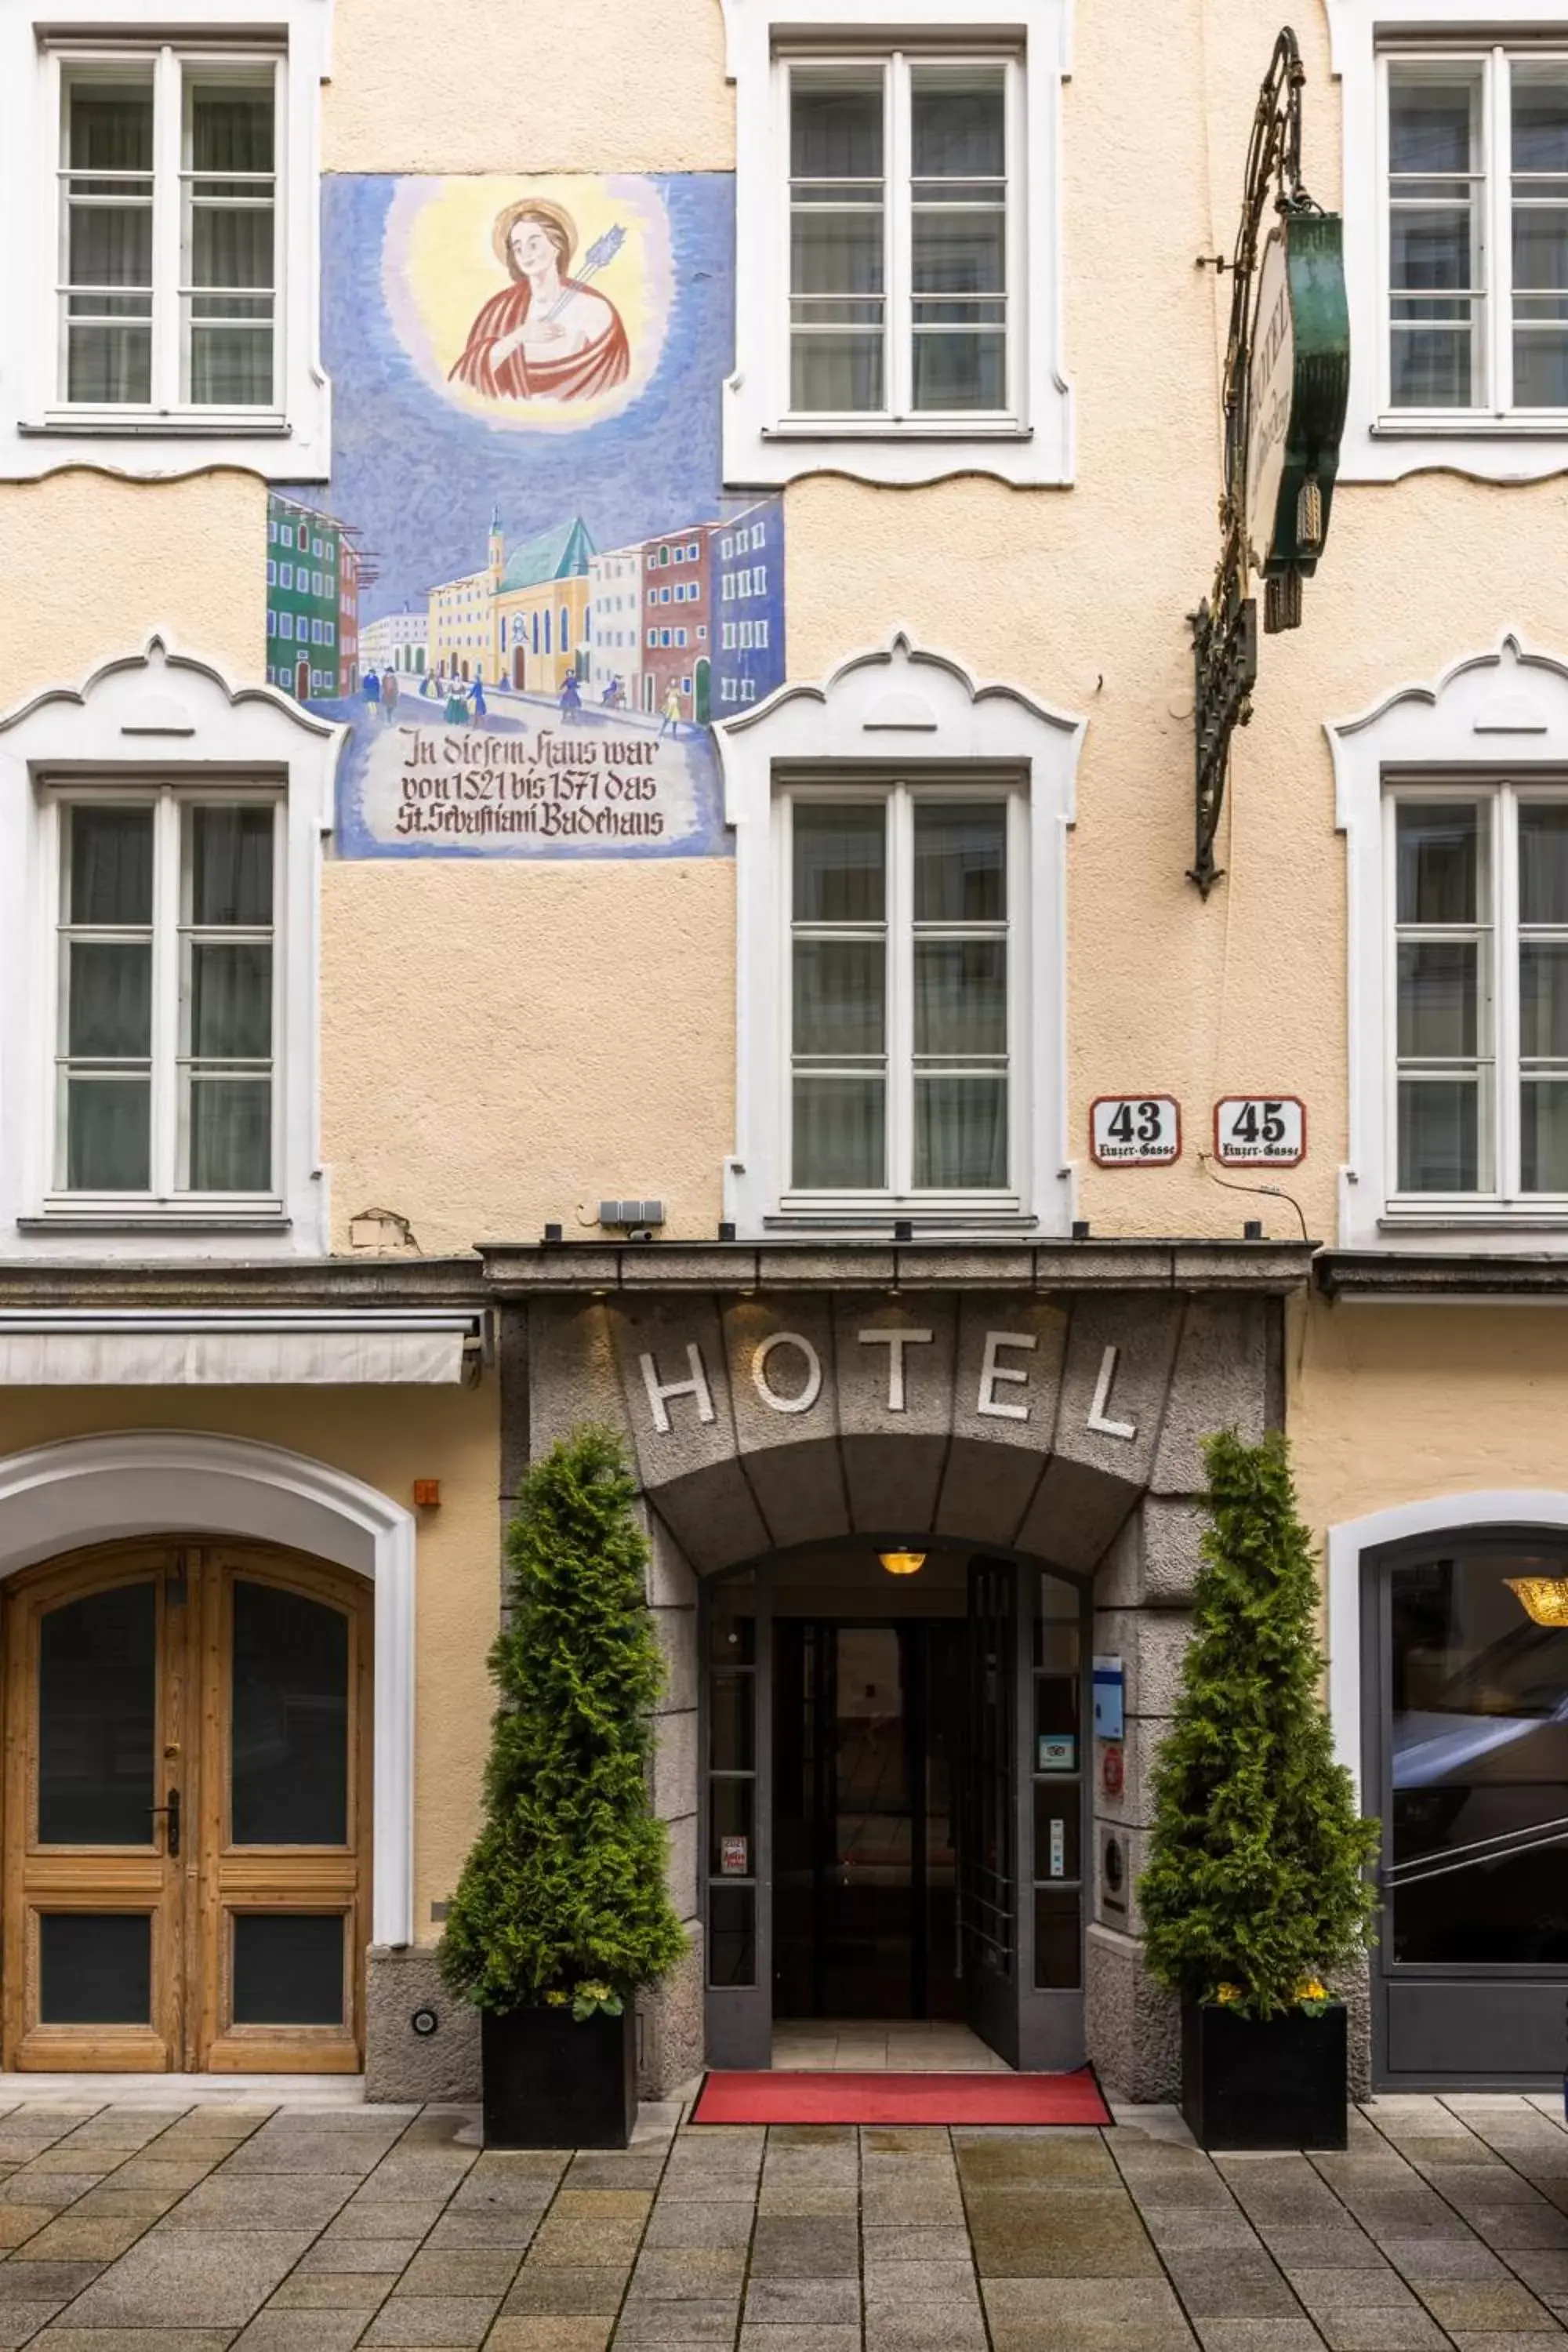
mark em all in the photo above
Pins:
pixel 285 1881
pixel 93 1873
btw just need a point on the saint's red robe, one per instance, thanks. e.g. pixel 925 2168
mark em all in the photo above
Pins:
pixel 579 376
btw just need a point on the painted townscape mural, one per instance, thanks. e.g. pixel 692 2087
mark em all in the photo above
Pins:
pixel 524 589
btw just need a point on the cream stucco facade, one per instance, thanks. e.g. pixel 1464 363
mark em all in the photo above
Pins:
pixel 500 1044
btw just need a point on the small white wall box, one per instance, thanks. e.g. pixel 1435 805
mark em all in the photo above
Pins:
pixel 631 1212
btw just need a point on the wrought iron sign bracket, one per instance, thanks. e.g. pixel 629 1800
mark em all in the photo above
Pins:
pixel 1287 377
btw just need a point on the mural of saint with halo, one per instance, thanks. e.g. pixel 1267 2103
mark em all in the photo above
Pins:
pixel 547 336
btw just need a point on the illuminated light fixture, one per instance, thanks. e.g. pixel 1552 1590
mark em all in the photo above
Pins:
pixel 1544 1599
pixel 902 1563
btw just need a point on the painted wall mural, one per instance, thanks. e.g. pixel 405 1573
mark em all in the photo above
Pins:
pixel 523 588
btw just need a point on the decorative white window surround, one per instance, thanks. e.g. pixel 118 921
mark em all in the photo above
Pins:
pixel 1034 447
pixel 1381 444
pixel 155 716
pixel 905 712
pixel 1501 715
pixel 37 435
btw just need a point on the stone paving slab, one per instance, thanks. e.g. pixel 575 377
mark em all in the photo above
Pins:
pixel 239 2227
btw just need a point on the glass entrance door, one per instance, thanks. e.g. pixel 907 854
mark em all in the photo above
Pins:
pixel 868 1722
pixel 1470 1728
pixel 187 1812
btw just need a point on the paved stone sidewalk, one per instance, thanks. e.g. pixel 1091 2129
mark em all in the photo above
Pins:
pixel 193 2229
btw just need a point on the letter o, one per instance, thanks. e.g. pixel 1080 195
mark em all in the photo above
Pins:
pixel 770 1396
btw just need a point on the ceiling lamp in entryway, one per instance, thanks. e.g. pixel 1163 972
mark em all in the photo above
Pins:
pixel 902 1563
pixel 1544 1599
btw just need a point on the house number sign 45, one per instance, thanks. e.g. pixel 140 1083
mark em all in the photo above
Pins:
pixel 1260 1131
pixel 1135 1130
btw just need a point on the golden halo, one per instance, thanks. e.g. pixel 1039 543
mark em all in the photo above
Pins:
pixel 541 208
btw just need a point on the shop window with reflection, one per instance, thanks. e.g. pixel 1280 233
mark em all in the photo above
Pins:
pixel 1480 916
pixel 902 954
pixel 1478 1758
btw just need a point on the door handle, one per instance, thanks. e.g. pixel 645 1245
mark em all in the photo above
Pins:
pixel 171 1813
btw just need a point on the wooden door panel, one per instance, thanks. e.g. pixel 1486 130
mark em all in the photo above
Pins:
pixel 286 1775
pixel 243 1950
pixel 94 1701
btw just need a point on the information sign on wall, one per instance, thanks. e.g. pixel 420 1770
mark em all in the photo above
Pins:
pixel 1260 1131
pixel 1135 1130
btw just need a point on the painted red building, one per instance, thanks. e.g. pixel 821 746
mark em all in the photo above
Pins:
pixel 677 623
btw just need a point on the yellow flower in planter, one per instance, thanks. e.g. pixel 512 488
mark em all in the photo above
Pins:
pixel 1225 1993
pixel 556 2000
pixel 1313 1996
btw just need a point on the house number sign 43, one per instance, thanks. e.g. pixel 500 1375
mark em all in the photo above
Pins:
pixel 1135 1130
pixel 1260 1131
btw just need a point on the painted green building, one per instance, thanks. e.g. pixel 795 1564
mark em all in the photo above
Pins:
pixel 304 572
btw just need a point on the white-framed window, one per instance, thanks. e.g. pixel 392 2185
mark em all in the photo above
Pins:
pixel 1454 801
pixel 159 189
pixel 901 948
pixel 901 172
pixel 1476 171
pixel 1456 236
pixel 899 169
pixel 159 854
pixel 165 988
pixel 1479 919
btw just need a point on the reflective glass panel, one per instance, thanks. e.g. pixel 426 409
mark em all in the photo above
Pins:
pixel 1058 1966
pixel 1479 1746
pixel 1544 862
pixel 95 1968
pixel 1543 1135
pixel 840 862
pixel 288 1968
pixel 732 1744
pixel 1438 999
pixel 961 1132
pixel 1441 861
pixel 290 1719
pixel 961 863
pixel 98 1683
pixel 840 987
pixel 731 1935
pixel 231 866
pixel 109 854
pixel 839 1131
pixel 1439 1135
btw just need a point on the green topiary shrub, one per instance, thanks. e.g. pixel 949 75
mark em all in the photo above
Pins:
pixel 1255 1886
pixel 562 1897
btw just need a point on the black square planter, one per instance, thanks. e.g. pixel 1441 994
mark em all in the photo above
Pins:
pixel 549 2082
pixel 1278 2083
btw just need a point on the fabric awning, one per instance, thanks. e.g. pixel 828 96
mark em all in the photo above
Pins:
pixel 277 1349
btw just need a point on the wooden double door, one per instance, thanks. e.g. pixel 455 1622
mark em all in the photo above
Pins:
pixel 187 1811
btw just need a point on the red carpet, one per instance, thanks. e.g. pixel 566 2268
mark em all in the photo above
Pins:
pixel 788 2097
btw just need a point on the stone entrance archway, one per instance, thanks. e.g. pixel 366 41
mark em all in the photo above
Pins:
pixel 1047 1402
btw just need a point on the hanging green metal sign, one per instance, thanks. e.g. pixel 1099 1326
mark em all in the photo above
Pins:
pixel 1299 382
pixel 1287 379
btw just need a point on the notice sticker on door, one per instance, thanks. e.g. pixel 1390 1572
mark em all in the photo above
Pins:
pixel 734 1858
pixel 1059 1850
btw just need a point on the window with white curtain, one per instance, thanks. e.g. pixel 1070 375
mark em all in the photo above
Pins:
pixel 904 914
pixel 902 231
pixel 167 286
pixel 165 1066
pixel 1476 213
pixel 1479 943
